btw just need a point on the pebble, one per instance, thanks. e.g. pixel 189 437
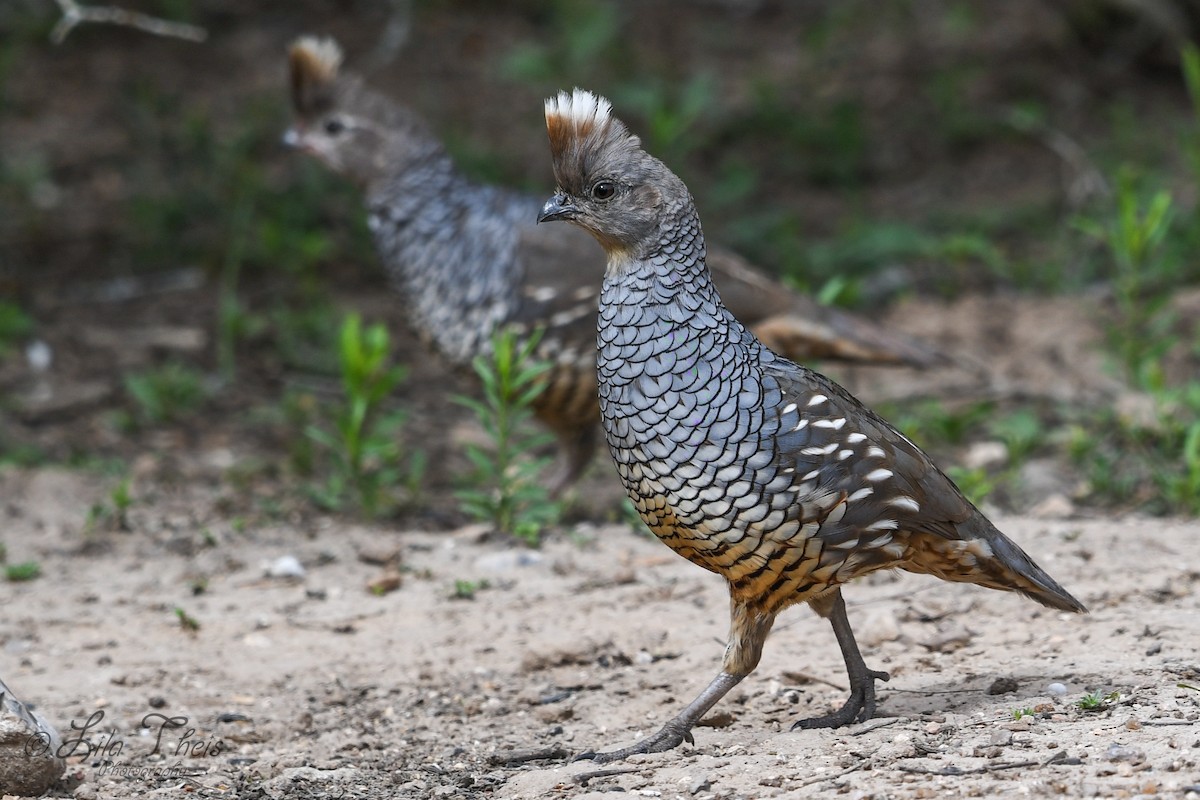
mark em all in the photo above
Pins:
pixel 1003 686
pixel 878 627
pixel 39 355
pixel 1120 752
pixel 287 566
pixel 1056 689
pixel 985 454
pixel 29 765
pixel 508 560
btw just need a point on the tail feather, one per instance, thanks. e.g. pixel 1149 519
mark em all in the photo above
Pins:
pixel 1015 570
pixel 1030 579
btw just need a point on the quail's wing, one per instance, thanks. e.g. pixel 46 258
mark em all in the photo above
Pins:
pixel 870 498
pixel 853 473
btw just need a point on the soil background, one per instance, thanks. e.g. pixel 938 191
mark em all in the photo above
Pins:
pixel 304 683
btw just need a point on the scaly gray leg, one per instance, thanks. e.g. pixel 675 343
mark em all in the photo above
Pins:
pixel 678 730
pixel 748 631
pixel 861 705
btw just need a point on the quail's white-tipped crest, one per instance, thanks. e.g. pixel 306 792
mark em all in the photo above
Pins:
pixel 579 109
pixel 581 127
pixel 317 58
pixel 313 64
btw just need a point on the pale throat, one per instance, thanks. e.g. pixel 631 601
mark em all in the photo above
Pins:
pixel 620 260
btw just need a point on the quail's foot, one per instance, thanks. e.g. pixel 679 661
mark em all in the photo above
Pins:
pixel 668 737
pixel 860 707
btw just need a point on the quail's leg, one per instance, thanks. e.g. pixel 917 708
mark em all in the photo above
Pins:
pixel 575 449
pixel 748 631
pixel 861 705
pixel 678 730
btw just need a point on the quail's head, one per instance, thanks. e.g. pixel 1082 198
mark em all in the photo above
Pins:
pixel 353 130
pixel 607 184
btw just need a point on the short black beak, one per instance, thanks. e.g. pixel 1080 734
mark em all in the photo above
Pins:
pixel 558 207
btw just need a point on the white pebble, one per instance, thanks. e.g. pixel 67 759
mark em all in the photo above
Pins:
pixel 286 567
pixel 1056 689
pixel 39 355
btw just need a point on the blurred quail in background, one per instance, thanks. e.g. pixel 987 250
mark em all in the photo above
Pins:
pixel 469 258
pixel 740 460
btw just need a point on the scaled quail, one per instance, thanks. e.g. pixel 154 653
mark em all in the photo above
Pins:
pixel 469 258
pixel 740 460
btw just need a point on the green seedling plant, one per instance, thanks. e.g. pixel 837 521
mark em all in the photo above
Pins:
pixel 186 620
pixel 465 590
pixel 15 325
pixel 504 488
pixel 25 571
pixel 114 512
pixel 1189 57
pixel 165 394
pixel 1098 701
pixel 1017 713
pixel 1133 238
pixel 368 461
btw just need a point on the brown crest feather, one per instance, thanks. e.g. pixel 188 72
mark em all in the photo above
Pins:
pixel 313 64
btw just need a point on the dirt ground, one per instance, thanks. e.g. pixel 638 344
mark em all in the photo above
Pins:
pixel 314 687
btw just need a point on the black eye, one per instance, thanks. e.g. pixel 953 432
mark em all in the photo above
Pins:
pixel 334 126
pixel 604 190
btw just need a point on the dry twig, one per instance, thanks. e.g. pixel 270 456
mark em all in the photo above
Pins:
pixel 74 14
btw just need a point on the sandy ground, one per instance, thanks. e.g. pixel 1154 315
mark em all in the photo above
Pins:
pixel 315 687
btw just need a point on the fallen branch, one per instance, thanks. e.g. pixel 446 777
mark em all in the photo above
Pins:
pixel 584 777
pixel 952 772
pixel 74 14
pixel 555 753
pixel 836 775
pixel 875 724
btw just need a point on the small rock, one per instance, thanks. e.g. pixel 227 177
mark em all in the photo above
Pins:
pixel 1056 689
pixel 1133 724
pixel 386 583
pixel 508 560
pixel 287 566
pixel 157 701
pixel 29 765
pixel 381 554
pixel 1000 738
pixel 879 626
pixel 948 640
pixel 1139 410
pixel 1056 506
pixel 985 454
pixel 719 719
pixel 39 355
pixel 1003 686
pixel 1120 752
